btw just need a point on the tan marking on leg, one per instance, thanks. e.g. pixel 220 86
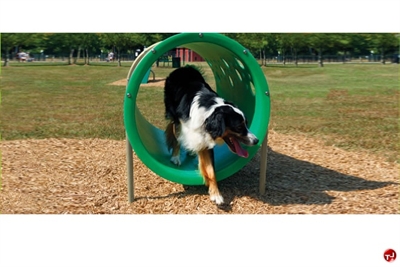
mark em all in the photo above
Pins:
pixel 207 170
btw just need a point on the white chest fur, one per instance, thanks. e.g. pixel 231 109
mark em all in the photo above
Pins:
pixel 193 136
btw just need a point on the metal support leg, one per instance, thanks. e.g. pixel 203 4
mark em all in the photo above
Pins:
pixel 129 169
pixel 263 163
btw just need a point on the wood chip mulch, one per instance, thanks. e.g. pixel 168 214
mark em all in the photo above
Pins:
pixel 304 176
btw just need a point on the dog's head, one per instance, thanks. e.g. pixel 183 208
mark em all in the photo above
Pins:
pixel 229 124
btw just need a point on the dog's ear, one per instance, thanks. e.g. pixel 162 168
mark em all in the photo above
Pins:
pixel 215 124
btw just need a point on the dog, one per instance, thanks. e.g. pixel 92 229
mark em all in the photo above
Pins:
pixel 199 120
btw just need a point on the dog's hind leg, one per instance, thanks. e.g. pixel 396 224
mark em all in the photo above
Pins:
pixel 206 166
pixel 172 143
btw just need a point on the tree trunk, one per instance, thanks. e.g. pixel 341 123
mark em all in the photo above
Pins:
pixel 87 57
pixel 320 61
pixel 7 59
pixel 264 58
pixel 78 56
pixel 119 58
pixel 71 54
pixel 383 57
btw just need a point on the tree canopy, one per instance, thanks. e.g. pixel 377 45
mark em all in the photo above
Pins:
pixel 260 44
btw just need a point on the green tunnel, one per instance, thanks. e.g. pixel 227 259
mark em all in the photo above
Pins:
pixel 238 78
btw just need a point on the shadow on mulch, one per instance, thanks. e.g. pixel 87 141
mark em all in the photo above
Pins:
pixel 155 80
pixel 289 181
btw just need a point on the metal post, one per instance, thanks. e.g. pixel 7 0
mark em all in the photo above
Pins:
pixel 263 165
pixel 129 151
pixel 129 169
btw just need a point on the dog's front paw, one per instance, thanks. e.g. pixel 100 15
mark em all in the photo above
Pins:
pixel 176 160
pixel 218 199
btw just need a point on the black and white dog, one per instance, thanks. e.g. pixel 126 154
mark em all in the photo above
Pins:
pixel 200 119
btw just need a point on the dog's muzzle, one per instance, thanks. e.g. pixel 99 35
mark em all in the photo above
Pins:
pixel 251 139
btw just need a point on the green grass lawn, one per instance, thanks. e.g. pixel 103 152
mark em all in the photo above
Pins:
pixel 351 106
pixel 354 106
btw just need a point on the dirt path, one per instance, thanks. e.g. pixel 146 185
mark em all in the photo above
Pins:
pixel 157 82
pixel 88 176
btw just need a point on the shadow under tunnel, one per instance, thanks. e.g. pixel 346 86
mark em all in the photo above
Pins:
pixel 289 181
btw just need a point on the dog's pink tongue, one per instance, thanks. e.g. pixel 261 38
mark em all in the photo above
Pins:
pixel 239 150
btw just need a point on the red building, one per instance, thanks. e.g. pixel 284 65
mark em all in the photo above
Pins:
pixel 188 55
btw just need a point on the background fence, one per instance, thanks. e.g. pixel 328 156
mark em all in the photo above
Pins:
pixel 301 59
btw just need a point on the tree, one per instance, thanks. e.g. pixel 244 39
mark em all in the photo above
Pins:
pixel 252 41
pixel 8 41
pixel 90 42
pixel 358 44
pixel 65 43
pixel 383 43
pixel 271 46
pixel 320 42
pixel 284 43
pixel 297 42
pixel 118 41
pixel 147 39
pixel 20 41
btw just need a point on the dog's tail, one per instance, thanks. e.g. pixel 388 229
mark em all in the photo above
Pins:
pixel 199 69
pixel 176 86
pixel 185 75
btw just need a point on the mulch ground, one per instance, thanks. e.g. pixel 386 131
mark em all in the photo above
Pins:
pixel 304 176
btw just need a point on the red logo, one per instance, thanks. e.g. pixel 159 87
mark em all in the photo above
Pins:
pixel 389 255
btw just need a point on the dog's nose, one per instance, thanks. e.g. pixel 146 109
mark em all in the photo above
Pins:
pixel 251 139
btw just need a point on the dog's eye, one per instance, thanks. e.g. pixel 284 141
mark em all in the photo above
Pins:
pixel 240 127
